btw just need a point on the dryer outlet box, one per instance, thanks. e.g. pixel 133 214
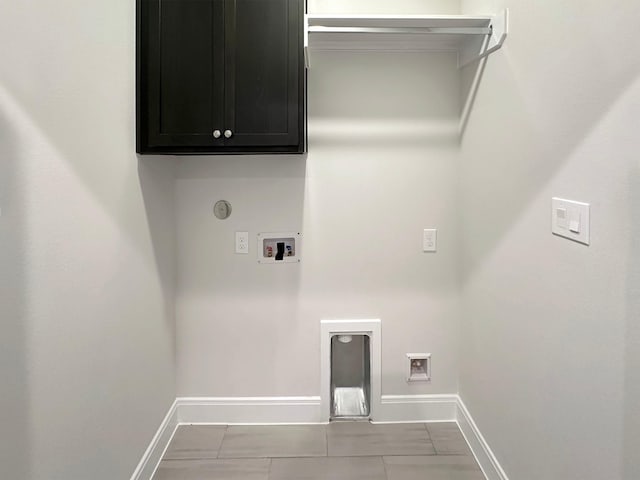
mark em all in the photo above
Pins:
pixel 419 367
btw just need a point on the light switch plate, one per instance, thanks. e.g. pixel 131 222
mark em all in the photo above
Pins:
pixel 570 219
pixel 429 240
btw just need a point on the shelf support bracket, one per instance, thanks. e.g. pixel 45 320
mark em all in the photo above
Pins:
pixel 486 45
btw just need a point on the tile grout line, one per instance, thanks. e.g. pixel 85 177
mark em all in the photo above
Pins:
pixel 433 444
pixel 384 465
pixel 221 440
pixel 326 437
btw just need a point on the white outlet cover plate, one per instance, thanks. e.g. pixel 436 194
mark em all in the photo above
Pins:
pixel 429 240
pixel 570 219
pixel 242 242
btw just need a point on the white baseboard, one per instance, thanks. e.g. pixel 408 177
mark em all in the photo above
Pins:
pixel 159 443
pixel 249 410
pixel 417 408
pixel 479 446
pixel 307 410
pixel 290 410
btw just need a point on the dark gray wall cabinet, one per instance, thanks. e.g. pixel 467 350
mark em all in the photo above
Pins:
pixel 220 76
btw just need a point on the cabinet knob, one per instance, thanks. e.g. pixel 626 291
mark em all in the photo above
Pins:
pixel 216 134
pixel 228 133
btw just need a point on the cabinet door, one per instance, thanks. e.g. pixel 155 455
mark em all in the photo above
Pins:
pixel 264 73
pixel 181 76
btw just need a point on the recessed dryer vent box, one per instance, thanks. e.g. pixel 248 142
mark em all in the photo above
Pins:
pixel 279 247
pixel 419 367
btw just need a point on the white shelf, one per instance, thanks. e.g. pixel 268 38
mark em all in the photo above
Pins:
pixel 400 21
pixel 473 37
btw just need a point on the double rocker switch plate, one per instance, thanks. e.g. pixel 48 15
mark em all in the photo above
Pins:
pixel 570 219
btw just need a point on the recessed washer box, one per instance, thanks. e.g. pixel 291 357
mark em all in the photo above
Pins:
pixel 282 247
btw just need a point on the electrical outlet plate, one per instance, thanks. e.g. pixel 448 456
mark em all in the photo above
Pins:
pixel 242 242
pixel 429 240
pixel 268 244
pixel 419 367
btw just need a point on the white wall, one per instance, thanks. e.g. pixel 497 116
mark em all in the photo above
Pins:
pixel 550 337
pixel 86 235
pixel 551 346
pixel 417 7
pixel 381 167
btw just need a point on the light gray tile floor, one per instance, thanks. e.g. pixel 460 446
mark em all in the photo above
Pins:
pixel 210 469
pixel 351 439
pixel 436 467
pixel 447 439
pixel 195 442
pixel 338 451
pixel 274 441
pixel 328 468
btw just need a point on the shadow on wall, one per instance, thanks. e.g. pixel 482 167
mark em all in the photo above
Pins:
pixel 156 176
pixel 524 148
pixel 14 391
pixel 631 419
pixel 241 166
pixel 394 100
